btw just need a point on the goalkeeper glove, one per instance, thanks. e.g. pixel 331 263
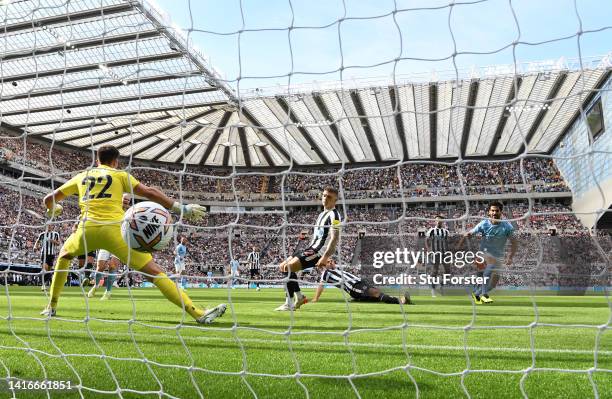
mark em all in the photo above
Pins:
pixel 192 212
pixel 54 211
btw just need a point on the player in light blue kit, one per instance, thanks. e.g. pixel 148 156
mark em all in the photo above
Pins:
pixel 180 253
pixel 234 273
pixel 495 233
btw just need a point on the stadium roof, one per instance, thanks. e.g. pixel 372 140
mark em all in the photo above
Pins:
pixel 90 72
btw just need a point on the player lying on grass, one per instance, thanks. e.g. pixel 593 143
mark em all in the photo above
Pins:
pixel 100 193
pixel 356 287
pixel 495 233
pixel 322 246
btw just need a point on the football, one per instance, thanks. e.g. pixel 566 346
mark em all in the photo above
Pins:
pixel 147 227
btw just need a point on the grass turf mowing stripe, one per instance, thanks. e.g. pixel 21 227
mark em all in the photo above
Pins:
pixel 335 344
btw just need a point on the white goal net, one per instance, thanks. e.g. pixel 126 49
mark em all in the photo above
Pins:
pixel 420 114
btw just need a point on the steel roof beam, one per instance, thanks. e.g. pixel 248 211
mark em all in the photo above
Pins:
pixel 298 124
pixel 245 146
pixel 91 67
pixel 68 17
pixel 538 120
pixel 109 130
pixel 361 114
pixel 215 137
pixel 469 114
pixel 433 121
pixel 334 128
pixel 63 48
pixel 188 151
pixel 187 135
pixel 399 123
pixel 163 129
pixel 504 116
pixel 108 101
pixel 99 86
pixel 257 126
pixel 120 114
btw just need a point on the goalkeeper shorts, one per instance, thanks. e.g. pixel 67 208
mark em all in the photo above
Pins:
pixel 108 237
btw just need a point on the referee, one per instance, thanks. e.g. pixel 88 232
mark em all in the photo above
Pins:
pixel 436 240
pixel 49 242
pixel 254 267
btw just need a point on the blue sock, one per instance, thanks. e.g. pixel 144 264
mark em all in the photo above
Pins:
pixel 110 279
pixel 98 277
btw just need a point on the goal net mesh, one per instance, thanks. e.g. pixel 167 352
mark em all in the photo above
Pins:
pixel 401 150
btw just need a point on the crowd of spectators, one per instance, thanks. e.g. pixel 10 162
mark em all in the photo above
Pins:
pixel 546 216
pixel 409 179
pixel 279 233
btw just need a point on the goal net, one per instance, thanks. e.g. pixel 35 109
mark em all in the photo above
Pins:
pixel 424 116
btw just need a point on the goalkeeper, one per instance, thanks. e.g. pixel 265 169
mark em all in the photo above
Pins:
pixel 100 193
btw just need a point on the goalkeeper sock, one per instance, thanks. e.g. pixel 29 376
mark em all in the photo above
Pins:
pixel 174 295
pixel 59 279
pixel 108 283
pixel 388 299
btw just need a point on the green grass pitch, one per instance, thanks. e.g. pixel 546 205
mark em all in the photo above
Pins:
pixel 328 342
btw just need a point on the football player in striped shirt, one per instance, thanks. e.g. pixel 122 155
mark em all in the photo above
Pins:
pixel 436 240
pixel 49 242
pixel 254 266
pixel 322 246
pixel 356 287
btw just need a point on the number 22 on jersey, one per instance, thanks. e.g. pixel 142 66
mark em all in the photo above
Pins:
pixel 97 187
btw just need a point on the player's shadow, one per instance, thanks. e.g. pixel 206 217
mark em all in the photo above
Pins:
pixel 382 384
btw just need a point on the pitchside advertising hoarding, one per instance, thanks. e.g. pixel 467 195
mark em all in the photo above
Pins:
pixel 571 264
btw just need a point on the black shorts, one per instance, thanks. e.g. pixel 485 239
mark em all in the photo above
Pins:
pixel 89 254
pixel 254 272
pixel 359 291
pixel 48 259
pixel 308 258
pixel 434 268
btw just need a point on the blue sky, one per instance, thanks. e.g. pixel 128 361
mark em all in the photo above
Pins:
pixel 370 33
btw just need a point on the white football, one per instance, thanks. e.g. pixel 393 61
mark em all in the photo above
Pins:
pixel 147 227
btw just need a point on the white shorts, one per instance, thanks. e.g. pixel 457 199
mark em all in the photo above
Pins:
pixel 179 267
pixel 235 273
pixel 104 255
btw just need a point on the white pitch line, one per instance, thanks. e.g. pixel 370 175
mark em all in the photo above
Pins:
pixel 331 344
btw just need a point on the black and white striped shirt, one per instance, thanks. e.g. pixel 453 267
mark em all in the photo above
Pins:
pixel 341 279
pixel 48 247
pixel 327 220
pixel 439 238
pixel 253 260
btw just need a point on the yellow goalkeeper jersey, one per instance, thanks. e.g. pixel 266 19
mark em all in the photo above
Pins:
pixel 100 192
